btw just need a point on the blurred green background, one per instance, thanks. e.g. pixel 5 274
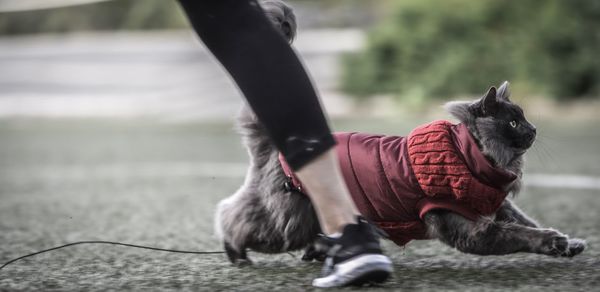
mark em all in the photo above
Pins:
pixel 445 48
pixel 415 49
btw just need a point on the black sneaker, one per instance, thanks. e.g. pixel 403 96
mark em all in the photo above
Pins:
pixel 355 258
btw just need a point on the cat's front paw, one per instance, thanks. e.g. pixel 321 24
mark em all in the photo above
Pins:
pixel 311 253
pixel 558 244
pixel 575 247
pixel 554 243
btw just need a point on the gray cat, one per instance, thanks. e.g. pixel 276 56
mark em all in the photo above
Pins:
pixel 267 215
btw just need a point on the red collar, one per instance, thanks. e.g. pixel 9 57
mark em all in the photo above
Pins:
pixel 292 183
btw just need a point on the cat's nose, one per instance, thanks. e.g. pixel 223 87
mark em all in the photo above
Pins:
pixel 532 132
pixel 530 137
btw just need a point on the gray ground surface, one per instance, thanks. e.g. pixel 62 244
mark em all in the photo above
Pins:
pixel 156 184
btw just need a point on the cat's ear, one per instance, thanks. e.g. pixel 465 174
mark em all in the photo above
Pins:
pixel 489 102
pixel 466 111
pixel 504 91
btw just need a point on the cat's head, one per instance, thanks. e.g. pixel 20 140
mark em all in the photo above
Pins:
pixel 497 123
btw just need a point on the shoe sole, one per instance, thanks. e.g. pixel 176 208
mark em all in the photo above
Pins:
pixel 358 271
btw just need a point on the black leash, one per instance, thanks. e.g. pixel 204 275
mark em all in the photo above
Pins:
pixel 109 242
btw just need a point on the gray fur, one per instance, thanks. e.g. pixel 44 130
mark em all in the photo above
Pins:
pixel 261 215
pixel 488 236
pixel 510 213
pixel 282 16
pixel 264 217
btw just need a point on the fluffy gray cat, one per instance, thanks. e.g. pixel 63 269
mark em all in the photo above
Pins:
pixel 266 217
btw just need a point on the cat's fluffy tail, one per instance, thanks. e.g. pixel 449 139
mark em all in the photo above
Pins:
pixel 262 153
pixel 255 137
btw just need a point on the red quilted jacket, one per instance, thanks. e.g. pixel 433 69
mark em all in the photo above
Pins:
pixel 395 181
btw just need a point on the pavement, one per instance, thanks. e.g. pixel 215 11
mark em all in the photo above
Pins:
pixel 154 183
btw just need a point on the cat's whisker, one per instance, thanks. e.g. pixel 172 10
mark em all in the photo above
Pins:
pixel 547 137
pixel 546 148
pixel 539 147
pixel 544 153
pixel 538 155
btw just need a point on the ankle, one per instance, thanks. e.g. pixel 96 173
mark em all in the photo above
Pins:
pixel 335 223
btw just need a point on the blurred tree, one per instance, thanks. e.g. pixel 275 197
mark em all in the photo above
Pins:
pixel 429 48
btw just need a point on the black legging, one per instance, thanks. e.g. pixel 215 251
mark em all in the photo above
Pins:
pixel 268 73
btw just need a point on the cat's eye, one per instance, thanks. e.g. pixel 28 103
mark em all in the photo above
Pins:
pixel 513 123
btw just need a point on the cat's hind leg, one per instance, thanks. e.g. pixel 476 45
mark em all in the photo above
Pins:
pixel 236 255
pixel 234 224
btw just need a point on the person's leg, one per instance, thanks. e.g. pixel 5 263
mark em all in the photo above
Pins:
pixel 330 196
pixel 280 93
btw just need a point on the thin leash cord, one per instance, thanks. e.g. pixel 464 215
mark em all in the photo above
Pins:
pixel 112 243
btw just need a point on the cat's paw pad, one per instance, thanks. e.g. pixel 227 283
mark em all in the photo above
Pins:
pixel 576 246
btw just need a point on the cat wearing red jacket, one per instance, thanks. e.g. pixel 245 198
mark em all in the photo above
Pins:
pixel 450 182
